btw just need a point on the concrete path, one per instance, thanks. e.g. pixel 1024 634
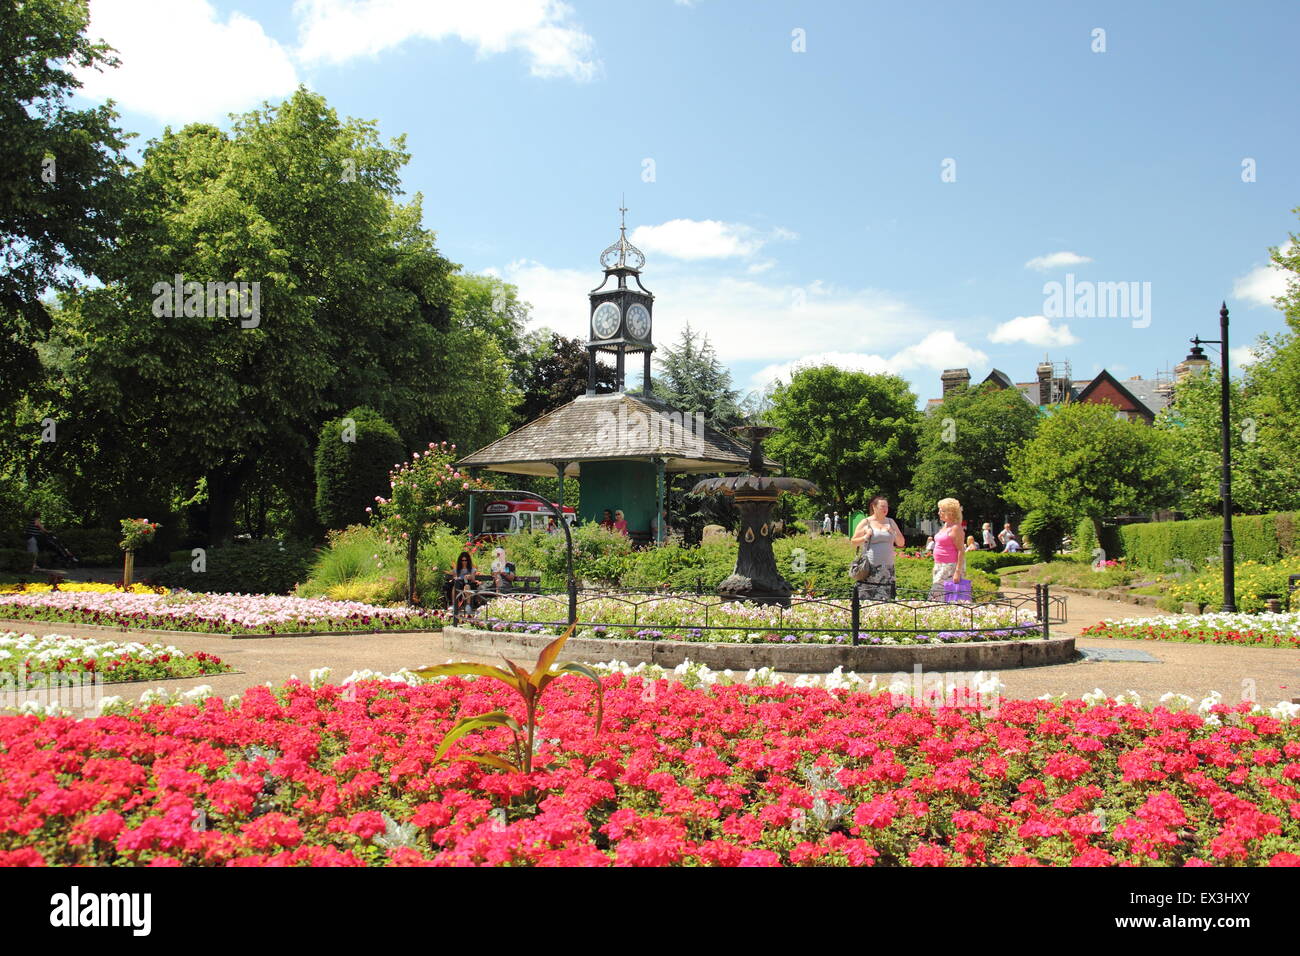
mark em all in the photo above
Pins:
pixel 1263 674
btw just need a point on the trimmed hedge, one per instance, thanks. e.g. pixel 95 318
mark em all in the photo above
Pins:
pixel 349 474
pixel 991 561
pixel 1265 539
pixel 1085 538
pixel 251 567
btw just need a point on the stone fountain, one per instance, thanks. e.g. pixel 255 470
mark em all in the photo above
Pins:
pixel 756 577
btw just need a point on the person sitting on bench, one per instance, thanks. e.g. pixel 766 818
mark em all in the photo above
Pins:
pixel 463 583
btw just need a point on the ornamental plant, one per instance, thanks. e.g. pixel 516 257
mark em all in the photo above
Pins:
pixel 529 686
pixel 137 532
pixel 425 490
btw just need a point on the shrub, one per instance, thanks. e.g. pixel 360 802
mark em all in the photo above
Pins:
pixel 1264 539
pixel 349 474
pixel 16 559
pixel 991 561
pixel 249 567
pixel 1044 532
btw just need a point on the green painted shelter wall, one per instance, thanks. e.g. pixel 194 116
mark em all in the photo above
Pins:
pixel 629 485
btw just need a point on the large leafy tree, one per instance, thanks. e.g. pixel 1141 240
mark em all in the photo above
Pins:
pixel 1085 462
pixel 60 172
pixel 964 446
pixel 355 303
pixel 853 433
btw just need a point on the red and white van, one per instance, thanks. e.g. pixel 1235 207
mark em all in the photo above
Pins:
pixel 512 517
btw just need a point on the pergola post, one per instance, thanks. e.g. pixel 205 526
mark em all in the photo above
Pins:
pixel 660 492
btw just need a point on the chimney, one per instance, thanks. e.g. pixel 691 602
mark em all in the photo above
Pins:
pixel 1044 383
pixel 954 378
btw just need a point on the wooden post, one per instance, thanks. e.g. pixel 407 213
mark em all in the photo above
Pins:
pixel 128 569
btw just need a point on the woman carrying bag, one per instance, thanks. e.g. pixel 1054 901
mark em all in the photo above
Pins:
pixel 877 535
pixel 948 582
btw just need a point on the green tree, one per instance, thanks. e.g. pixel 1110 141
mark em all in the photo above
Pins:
pixel 353 459
pixel 555 373
pixel 1084 462
pixel 852 433
pixel 354 304
pixel 964 446
pixel 695 380
pixel 60 172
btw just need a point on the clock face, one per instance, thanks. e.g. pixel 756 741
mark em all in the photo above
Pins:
pixel 638 321
pixel 604 321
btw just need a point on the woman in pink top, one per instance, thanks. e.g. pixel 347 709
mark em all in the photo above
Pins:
pixel 949 548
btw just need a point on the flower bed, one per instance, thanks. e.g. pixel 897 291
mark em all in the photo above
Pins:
pixel 81 587
pixel 32 660
pixel 726 775
pixel 213 613
pixel 1254 630
pixel 716 621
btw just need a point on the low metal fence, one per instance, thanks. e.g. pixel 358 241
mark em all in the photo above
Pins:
pixel 1044 609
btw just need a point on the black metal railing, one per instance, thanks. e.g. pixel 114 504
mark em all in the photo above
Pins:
pixel 1047 609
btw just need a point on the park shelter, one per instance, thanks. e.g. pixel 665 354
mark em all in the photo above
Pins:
pixel 621 447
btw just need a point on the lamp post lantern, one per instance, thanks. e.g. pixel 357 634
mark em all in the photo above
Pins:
pixel 1225 481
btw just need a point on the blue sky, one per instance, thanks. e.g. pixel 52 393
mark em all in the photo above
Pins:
pixel 892 197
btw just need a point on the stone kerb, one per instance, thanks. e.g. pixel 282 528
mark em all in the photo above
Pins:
pixel 787 658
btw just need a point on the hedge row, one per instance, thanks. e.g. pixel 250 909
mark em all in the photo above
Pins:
pixel 1157 545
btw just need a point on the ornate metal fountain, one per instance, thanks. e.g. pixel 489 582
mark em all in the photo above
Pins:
pixel 755 577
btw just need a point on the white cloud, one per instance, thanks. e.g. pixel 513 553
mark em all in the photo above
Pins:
pixel 747 319
pixel 1032 330
pixel 1242 355
pixel 334 31
pixel 1265 283
pixel 939 350
pixel 1056 260
pixel 704 239
pixel 181 63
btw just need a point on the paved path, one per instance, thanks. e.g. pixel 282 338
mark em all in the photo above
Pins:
pixel 1263 674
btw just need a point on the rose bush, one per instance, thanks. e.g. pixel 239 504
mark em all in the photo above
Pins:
pixel 736 775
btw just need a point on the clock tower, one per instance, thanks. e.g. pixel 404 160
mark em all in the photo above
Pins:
pixel 620 315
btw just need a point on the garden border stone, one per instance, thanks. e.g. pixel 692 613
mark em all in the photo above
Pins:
pixel 787 658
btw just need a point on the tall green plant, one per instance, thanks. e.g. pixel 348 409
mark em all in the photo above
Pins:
pixel 529 685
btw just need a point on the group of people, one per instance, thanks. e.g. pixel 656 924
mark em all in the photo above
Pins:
pixel 832 524
pixel 880 535
pixel 614 522
pixel 1006 538
pixel 465 591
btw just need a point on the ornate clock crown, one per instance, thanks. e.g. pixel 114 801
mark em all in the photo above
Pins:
pixel 622 254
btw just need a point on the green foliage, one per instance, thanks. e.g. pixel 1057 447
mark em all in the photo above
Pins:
pixel 1044 532
pixel 1252 581
pixel 1161 544
pixel 60 173
pixel 353 458
pixel 249 567
pixel 964 447
pixel 996 560
pixel 695 380
pixel 16 559
pixel 600 556
pixel 852 433
pixel 1086 463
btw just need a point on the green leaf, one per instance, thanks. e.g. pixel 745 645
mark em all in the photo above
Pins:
pixel 496 718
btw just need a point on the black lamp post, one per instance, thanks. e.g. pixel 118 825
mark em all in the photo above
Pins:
pixel 1225 484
